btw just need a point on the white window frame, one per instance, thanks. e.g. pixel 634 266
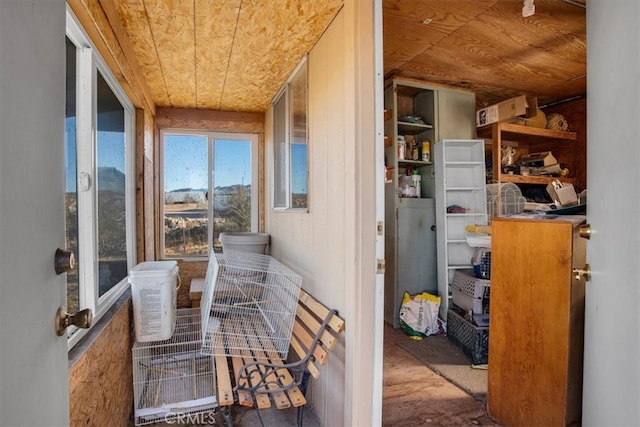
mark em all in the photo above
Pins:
pixel 211 137
pixel 285 93
pixel 89 62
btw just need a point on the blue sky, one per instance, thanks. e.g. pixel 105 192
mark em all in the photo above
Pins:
pixel 186 160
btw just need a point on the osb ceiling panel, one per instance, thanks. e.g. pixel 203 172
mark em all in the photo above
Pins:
pixel 234 55
pixel 230 55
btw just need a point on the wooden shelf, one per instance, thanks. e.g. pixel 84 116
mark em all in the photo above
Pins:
pixel 407 128
pixel 532 179
pixel 525 137
pixel 524 134
pixel 408 162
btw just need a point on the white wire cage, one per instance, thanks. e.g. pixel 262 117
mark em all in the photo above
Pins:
pixel 504 199
pixel 501 199
pixel 249 305
pixel 172 378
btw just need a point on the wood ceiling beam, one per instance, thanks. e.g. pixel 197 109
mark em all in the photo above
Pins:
pixel 101 21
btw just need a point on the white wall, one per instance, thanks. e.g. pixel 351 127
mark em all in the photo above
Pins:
pixel 333 245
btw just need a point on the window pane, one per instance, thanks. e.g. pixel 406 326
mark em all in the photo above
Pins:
pixel 112 241
pixel 299 170
pixel 71 194
pixel 280 152
pixel 232 187
pixel 185 196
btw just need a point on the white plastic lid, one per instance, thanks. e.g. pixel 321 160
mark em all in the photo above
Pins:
pixel 153 268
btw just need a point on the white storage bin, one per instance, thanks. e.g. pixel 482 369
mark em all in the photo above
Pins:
pixel 154 294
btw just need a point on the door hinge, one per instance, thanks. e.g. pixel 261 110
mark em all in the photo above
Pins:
pixel 381 262
pixel 380 228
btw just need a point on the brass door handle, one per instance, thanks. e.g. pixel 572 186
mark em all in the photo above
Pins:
pixel 81 319
pixel 64 261
pixel 585 231
pixel 582 273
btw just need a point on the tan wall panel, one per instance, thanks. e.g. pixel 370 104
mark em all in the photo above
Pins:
pixel 101 378
pixel 326 245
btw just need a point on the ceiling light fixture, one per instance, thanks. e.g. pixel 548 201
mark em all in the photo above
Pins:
pixel 427 21
pixel 528 8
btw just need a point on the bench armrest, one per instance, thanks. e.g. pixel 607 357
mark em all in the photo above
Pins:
pixel 262 376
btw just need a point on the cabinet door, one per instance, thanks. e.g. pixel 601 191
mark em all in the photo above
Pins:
pixel 456 115
pixel 537 312
pixel 416 248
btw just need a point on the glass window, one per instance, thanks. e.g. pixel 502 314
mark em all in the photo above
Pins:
pixel 111 186
pixel 99 184
pixel 71 192
pixel 197 209
pixel 290 143
pixel 185 196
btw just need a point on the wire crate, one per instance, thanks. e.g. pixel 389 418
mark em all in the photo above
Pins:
pixel 504 199
pixel 172 378
pixel 249 305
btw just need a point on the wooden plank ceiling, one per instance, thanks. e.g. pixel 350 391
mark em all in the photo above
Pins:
pixel 233 55
pixel 489 47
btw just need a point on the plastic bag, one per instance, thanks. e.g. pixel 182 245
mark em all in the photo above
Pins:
pixel 419 315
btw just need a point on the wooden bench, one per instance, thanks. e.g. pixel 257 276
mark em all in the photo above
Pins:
pixel 261 379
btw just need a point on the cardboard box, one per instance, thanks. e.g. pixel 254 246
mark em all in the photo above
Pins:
pixel 565 195
pixel 520 106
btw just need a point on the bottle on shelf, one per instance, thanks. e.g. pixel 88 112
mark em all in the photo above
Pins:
pixel 401 147
pixel 426 151
pixel 416 178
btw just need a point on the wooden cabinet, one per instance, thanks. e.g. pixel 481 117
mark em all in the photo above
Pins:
pixel 527 140
pixel 536 323
pixel 417 111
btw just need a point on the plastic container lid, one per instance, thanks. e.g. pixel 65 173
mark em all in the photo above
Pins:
pixel 153 268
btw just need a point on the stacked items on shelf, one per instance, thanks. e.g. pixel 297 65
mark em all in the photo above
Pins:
pixel 171 377
pixel 468 316
pixel 534 164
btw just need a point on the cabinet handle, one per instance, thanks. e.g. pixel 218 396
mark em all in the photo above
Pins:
pixel 433 228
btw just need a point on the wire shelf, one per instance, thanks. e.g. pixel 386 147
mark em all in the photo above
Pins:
pixel 249 305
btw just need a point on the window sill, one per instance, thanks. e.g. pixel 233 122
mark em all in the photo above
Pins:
pixel 97 329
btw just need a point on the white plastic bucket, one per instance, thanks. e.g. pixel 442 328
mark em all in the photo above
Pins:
pixel 245 242
pixel 154 297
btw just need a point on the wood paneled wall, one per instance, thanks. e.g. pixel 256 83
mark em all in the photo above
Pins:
pixel 576 114
pixel 100 371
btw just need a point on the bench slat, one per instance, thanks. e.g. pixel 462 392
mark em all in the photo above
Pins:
pixel 306 340
pixel 295 394
pixel 311 366
pixel 244 397
pixel 279 397
pixel 320 310
pixel 262 401
pixel 225 390
pixel 308 319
